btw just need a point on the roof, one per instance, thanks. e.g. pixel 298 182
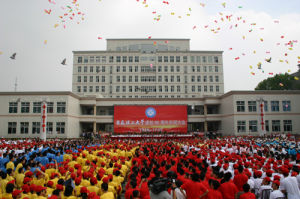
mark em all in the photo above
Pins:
pixel 164 39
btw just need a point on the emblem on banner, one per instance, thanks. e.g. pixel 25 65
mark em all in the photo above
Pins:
pixel 150 112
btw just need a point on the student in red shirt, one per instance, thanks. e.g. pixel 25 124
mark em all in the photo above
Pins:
pixel 247 194
pixel 195 189
pixel 228 188
pixel 240 179
pixel 213 191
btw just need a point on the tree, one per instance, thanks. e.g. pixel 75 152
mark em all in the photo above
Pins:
pixel 279 82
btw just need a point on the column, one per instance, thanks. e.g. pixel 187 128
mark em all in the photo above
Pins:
pixel 205 114
pixel 95 124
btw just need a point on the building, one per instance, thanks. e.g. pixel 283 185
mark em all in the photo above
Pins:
pixel 149 72
pixel 143 68
pixel 234 113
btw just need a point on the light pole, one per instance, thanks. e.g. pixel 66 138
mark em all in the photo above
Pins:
pixel 44 120
pixel 262 130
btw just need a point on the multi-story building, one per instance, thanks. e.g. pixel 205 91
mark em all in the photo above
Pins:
pixel 143 68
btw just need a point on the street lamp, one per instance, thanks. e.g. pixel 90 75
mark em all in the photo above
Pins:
pixel 261 102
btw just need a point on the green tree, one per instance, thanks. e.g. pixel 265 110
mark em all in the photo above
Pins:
pixel 278 82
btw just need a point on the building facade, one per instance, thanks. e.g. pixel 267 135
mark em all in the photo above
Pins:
pixel 69 114
pixel 148 68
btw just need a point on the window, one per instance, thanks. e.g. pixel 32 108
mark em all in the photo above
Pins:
pixel 91 89
pixel 91 69
pixel 216 69
pixel 240 106
pixel 203 59
pixel 103 69
pixel 13 107
pixel 37 107
pixel 97 69
pixel 265 106
pixel 210 68
pixel 91 79
pixel 275 125
pixel 185 59
pixel 198 69
pixel 211 88
pixel 166 78
pixel 85 89
pixel 159 78
pixel 123 88
pixel 217 88
pixel 103 59
pixel 85 79
pixel 130 79
pixel 61 107
pixel 136 78
pixel 79 59
pixel 205 78
pixel 97 79
pixel 97 59
pixel 199 88
pixel 111 59
pixel 117 89
pixel 85 69
pixel 124 78
pixel 124 58
pixel 193 69
pixel 124 68
pixel 130 89
pixel 166 88
pixel 130 68
pixel 103 89
pixel 79 69
pixel 86 59
pixel 178 78
pixel 136 59
pixel 50 108
pixel 118 58
pixel 97 89
pixel 205 88
pixel 172 88
pixel 92 59
pixel 275 106
pixel 78 89
pixel 25 106
pixel 209 59
pixel 118 79
pixel 166 68
pixel 253 125
pixel 49 127
pixel 160 88
pixel 130 59
pixel 24 126
pixel 192 59
pixel 79 79
pixel 159 58
pixel 198 59
pixel 118 69
pixel 60 127
pixel 159 69
pixel 217 78
pixel 241 126
pixel 211 78
pixel 136 69
pixel 286 106
pixel 192 78
pixel 178 88
pixel 172 68
pixel 287 125
pixel 252 106
pixel 171 58
pixel 36 127
pixel 216 59
pixel 177 58
pixel 12 128
pixel 204 68
pixel 178 69
pixel 267 125
pixel 166 59
pixel 185 69
pixel 172 78
pixel 193 89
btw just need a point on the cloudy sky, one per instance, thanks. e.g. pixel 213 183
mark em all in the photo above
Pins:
pixel 24 26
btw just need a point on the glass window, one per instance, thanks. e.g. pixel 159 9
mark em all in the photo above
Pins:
pixel 124 58
pixel 118 78
pixel 85 89
pixel 199 88
pixel 92 59
pixel 103 69
pixel 136 59
pixel 216 60
pixel 86 59
pixel 136 69
pixel 211 78
pixel 159 58
pixel 160 88
pixel 85 79
pixel 210 68
pixel 91 78
pixel 130 68
pixel 91 69
pixel 130 59
pixel 130 88
pixel 275 106
pixel 50 107
pixel 97 69
pixel 265 106
pixel 252 106
pixel 24 127
pixel 130 79
pixel 78 89
pixel 159 68
pixel 203 59
pixel 97 79
pixel 61 107
pixel 118 58
pixel 205 88
pixel 198 59
pixel 287 125
pixel 209 59
pixel 178 88
pixel 166 59
pixel 118 69
pixel 124 68
pixel 12 128
pixel 49 127
pixel 211 88
pixel 79 79
pixel 286 106
pixel 166 78
pixel 185 59
pixel 216 69
pixel 13 107
pixel 172 68
pixel 103 89
pixel 25 107
pixel 198 68
pixel 117 89
pixel 193 89
pixel 217 88
pixel 37 107
pixel 60 127
pixel 217 78
pixel 166 68
pixel 253 125
pixel 97 89
pixel 91 89
pixel 123 88
pixel 177 58
pixel 79 59
pixel 240 106
pixel 172 88
pixel 111 59
pixel 205 78
pixel 124 78
pixel 172 78
pixel 136 78
pixel 275 125
pixel 267 125
pixel 97 59
pixel 192 59
pixel 166 88
pixel 178 78
pixel 79 69
pixel 204 68
pixel 103 59
pixel 241 126
pixel 192 78
pixel 36 127
pixel 85 69
pixel 171 58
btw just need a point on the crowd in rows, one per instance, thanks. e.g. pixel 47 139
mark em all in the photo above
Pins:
pixel 223 168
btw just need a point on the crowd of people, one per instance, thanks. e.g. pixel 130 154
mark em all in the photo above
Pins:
pixel 188 168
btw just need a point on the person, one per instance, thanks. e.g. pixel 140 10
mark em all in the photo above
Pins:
pixel 289 185
pixel 213 192
pixel 240 179
pixel 195 189
pixel 247 194
pixel 163 194
pixel 228 188
pixel 276 193
pixel 180 193
pixel 105 193
pixel 266 185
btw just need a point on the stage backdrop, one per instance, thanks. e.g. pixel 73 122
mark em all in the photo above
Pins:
pixel 138 119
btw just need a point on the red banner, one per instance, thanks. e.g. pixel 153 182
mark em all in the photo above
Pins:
pixel 139 119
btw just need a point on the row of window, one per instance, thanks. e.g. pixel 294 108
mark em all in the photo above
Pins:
pixel 150 68
pixel 35 127
pixel 252 106
pixel 276 126
pixel 166 88
pixel 37 106
pixel 160 78
pixel 165 59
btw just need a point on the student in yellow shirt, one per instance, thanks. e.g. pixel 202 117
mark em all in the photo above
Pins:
pixel 10 174
pixel 3 182
pixel 93 187
pixel 10 164
pixel 105 193
pixel 41 192
pixel 17 194
pixel 20 177
pixel 8 191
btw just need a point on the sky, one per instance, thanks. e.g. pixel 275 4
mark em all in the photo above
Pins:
pixel 254 31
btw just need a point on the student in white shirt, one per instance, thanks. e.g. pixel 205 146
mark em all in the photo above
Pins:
pixel 276 193
pixel 289 185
